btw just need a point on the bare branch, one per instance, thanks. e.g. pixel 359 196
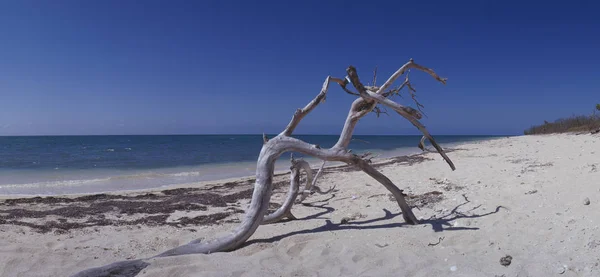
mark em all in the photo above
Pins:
pixel 368 157
pixel 353 76
pixel 301 113
pixel 401 110
pixel 265 138
pixel 387 183
pixel 319 191
pixel 422 128
pixel 422 143
pixel 378 111
pixel 374 77
pixel 358 109
pixel 410 114
pixel 395 91
pixel 310 185
pixel 397 107
pixel 422 146
pixel 343 84
pixel 434 244
pixel 408 65
pixel 285 210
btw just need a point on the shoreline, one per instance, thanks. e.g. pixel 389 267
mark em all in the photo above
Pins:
pixel 278 172
pixel 521 196
pixel 211 195
pixel 218 182
pixel 46 182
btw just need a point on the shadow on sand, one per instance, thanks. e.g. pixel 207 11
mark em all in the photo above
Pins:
pixel 438 224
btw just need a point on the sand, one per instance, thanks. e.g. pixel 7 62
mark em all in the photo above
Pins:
pixel 534 198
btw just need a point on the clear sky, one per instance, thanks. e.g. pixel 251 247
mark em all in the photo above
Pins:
pixel 197 67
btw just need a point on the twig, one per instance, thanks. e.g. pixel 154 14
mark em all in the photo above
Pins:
pixel 309 185
pixel 408 65
pixel 378 111
pixel 377 195
pixel 375 76
pixel 319 191
pixel 412 91
pixel 365 155
pixel 301 113
pixel 434 244
pixel 395 91
pixel 422 145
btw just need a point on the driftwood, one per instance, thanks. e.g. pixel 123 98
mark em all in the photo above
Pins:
pixel 286 208
pixel 369 98
pixel 422 146
pixel 309 185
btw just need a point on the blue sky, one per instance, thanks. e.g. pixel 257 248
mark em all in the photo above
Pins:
pixel 196 67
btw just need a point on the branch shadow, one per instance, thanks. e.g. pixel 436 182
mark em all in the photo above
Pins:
pixel 313 216
pixel 438 224
pixel 327 210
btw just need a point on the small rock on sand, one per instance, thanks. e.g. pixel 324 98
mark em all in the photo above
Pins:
pixel 586 201
pixel 506 260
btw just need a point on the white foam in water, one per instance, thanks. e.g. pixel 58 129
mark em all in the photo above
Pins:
pixel 65 181
pixel 96 181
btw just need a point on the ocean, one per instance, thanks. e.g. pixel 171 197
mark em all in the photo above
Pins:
pixel 50 165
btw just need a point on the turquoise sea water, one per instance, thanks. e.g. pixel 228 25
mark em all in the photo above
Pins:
pixel 45 165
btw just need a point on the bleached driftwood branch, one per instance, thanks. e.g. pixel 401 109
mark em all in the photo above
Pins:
pixel 286 208
pixel 309 185
pixel 274 147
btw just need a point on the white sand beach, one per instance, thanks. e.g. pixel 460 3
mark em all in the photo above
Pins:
pixel 534 198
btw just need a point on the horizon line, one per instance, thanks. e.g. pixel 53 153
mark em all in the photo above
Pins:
pixel 230 134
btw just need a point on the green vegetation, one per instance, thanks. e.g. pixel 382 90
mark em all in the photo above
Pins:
pixel 581 123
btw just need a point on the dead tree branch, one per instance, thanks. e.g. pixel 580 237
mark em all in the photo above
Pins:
pixel 374 77
pixel 286 208
pixel 310 185
pixel 273 148
pixel 410 64
pixel 343 84
pixel 378 111
pixel 436 243
pixel 301 113
pixel 422 146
